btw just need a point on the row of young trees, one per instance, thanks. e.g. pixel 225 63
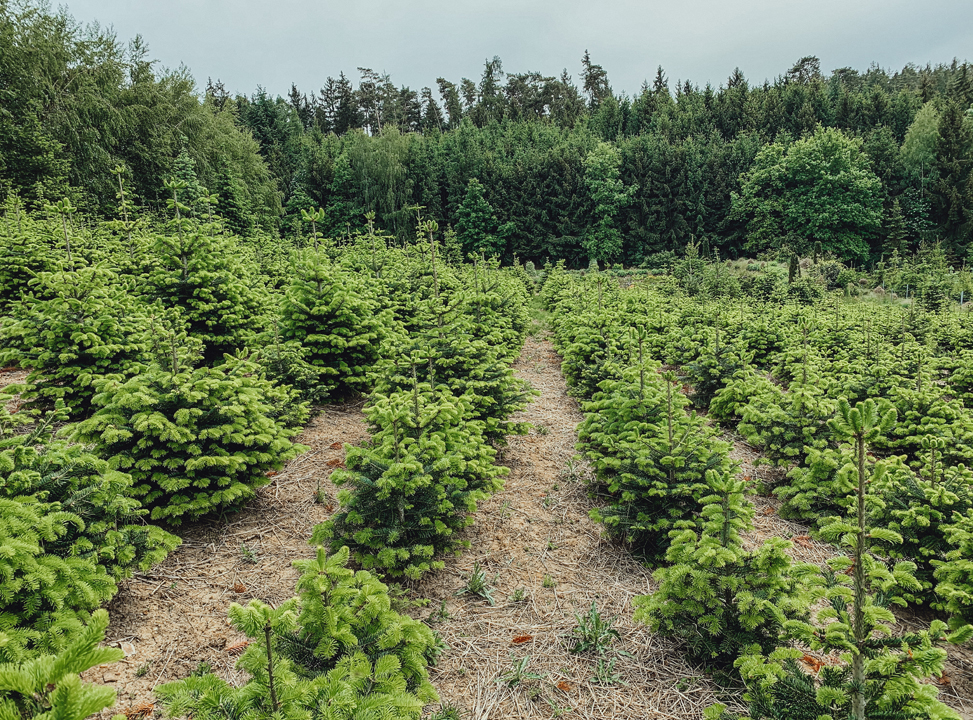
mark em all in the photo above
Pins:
pixel 177 363
pixel 843 397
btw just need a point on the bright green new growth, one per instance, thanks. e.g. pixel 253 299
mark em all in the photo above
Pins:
pixel 337 650
pixel 193 440
pixel 718 598
pixel 954 574
pixel 69 530
pixel 880 674
pixel 44 599
pixel 49 687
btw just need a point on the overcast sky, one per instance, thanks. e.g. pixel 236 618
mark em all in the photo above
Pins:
pixel 247 43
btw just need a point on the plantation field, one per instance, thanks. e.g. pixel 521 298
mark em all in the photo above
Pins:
pixel 328 476
pixel 173 618
pixel 536 526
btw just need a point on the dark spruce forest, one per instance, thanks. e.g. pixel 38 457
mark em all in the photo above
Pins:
pixel 516 164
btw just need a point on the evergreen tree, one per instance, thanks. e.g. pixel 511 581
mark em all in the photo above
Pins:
pixel 415 485
pixel 717 597
pixel 23 254
pixel 896 232
pixel 476 224
pixel 81 326
pixel 232 205
pixel 49 687
pixel 951 191
pixel 334 315
pixel 45 599
pixel 660 478
pixel 194 440
pixel 341 613
pixel 954 574
pixel 336 651
pixel 880 674
pixel 184 172
pixel 197 272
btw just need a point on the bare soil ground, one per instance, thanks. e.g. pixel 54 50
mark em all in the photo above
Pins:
pixel 543 555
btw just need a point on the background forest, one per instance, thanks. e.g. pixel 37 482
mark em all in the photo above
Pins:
pixel 523 164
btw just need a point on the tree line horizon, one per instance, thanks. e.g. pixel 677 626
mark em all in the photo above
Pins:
pixel 517 164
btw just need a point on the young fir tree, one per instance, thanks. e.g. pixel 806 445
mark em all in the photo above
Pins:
pixel 82 326
pixel 184 173
pixel 335 316
pixel 620 414
pixel 660 478
pixel 718 598
pixel 495 306
pixel 921 507
pixel 196 271
pixel 49 687
pixel 108 525
pixel 593 353
pixel 954 574
pixel 23 254
pixel 286 365
pixel 744 386
pixel 341 613
pixel 193 439
pixel 713 368
pixel 880 674
pixel 337 650
pixel 232 205
pixel 415 486
pixel 783 425
pixel 960 380
pixel 467 366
